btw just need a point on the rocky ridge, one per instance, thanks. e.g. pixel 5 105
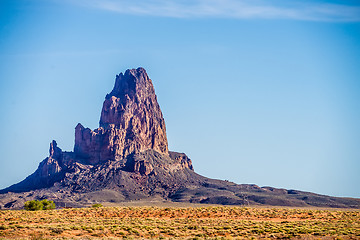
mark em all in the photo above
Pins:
pixel 127 158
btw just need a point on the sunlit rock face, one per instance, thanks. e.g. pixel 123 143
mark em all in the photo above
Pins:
pixel 131 122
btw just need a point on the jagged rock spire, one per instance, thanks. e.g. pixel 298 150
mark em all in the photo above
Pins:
pixel 54 150
pixel 131 121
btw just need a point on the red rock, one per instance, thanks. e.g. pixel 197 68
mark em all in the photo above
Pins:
pixel 131 122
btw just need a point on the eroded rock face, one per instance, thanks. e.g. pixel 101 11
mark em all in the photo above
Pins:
pixel 131 122
pixel 181 158
pixel 51 165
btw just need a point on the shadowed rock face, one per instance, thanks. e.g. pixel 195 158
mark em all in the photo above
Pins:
pixel 131 122
pixel 127 158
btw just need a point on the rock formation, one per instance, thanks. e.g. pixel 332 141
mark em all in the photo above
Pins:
pixel 131 138
pixel 131 122
pixel 127 158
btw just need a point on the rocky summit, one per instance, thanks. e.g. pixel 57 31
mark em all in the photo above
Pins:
pixel 127 158
pixel 131 122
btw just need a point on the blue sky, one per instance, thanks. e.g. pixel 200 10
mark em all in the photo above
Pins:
pixel 263 92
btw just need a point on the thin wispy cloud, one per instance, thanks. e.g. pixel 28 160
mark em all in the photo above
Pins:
pixel 235 9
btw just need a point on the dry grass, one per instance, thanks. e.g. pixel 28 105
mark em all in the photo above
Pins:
pixel 181 223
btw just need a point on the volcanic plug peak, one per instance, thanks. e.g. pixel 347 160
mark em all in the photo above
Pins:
pixel 133 93
pixel 133 83
pixel 127 158
pixel 131 122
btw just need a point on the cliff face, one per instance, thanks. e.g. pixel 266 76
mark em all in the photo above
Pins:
pixel 131 122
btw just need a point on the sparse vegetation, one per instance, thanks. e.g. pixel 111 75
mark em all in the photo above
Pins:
pixel 47 204
pixel 35 205
pixel 97 205
pixel 181 223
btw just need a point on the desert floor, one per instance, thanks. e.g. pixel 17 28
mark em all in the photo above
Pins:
pixel 180 222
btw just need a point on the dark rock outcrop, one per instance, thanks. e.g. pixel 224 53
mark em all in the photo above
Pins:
pixel 50 170
pixel 127 158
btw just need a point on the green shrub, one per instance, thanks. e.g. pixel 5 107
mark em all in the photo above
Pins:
pixel 47 205
pixel 97 205
pixel 35 205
